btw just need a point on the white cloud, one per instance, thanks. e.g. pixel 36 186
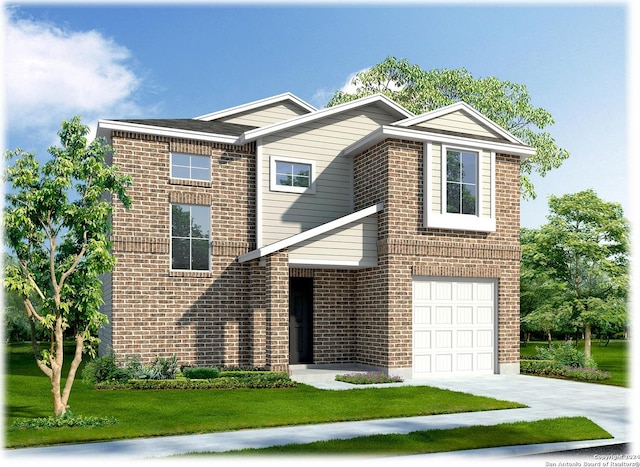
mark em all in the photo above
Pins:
pixel 52 74
pixel 322 96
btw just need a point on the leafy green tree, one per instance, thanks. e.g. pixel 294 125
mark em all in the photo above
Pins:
pixel 57 222
pixel 507 104
pixel 582 254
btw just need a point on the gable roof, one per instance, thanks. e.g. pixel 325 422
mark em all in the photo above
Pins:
pixel 465 108
pixel 287 96
pixel 378 99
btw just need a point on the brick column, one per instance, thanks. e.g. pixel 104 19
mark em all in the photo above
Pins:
pixel 258 316
pixel 277 311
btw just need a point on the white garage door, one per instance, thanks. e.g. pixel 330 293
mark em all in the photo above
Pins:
pixel 453 326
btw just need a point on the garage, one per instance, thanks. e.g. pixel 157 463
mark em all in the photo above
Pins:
pixel 454 322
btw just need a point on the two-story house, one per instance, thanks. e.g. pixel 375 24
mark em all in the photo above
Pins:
pixel 277 234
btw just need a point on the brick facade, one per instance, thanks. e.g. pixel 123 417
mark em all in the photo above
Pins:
pixel 238 313
pixel 392 173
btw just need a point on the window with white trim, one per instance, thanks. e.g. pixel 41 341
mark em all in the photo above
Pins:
pixel 190 167
pixel 459 188
pixel 292 175
pixel 462 182
pixel 190 237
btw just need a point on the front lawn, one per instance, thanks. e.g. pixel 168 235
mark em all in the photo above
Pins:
pixel 614 358
pixel 456 439
pixel 170 412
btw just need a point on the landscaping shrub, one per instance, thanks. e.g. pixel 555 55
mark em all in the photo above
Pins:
pixel 368 378
pixel 107 369
pixel 550 368
pixel 248 381
pixel 104 369
pixel 163 368
pixel 200 372
pixel 66 420
pixel 566 354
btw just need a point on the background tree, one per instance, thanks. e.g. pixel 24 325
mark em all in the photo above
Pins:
pixel 581 255
pixel 57 221
pixel 507 104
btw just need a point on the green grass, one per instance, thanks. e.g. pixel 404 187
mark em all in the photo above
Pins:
pixel 456 439
pixel 614 358
pixel 169 412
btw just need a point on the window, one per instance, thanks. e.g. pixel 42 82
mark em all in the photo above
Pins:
pixel 190 167
pixel 462 182
pixel 292 175
pixel 459 188
pixel 190 232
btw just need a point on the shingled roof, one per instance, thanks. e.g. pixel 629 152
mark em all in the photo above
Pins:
pixel 190 124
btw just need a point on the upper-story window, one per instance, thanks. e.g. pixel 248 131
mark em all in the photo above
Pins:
pixel 190 167
pixel 462 182
pixel 292 175
pixel 190 234
pixel 459 188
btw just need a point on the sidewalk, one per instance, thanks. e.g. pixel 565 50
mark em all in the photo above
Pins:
pixel 607 406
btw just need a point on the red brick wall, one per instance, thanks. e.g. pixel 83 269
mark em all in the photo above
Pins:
pixel 202 317
pixel 237 314
pixel 392 172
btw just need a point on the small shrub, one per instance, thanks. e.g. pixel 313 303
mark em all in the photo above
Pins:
pixel 271 380
pixel 200 372
pixel 550 368
pixel 104 369
pixel 585 374
pixel 566 354
pixel 538 367
pixel 66 420
pixel 368 378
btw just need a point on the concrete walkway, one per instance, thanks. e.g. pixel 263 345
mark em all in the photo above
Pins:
pixel 607 406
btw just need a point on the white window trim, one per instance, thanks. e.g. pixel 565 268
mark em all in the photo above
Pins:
pixel 273 186
pixel 190 167
pixel 443 219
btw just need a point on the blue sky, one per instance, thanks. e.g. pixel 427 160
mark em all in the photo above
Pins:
pixel 118 60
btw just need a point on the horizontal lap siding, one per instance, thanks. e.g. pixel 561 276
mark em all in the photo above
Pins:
pixel 353 242
pixel 266 115
pixel 460 123
pixel 286 214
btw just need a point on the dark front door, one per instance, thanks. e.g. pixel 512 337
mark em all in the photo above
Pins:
pixel 300 320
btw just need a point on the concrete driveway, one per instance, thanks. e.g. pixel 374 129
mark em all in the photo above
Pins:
pixel 608 406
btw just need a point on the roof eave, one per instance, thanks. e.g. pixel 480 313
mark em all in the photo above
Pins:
pixel 115 125
pixel 385 132
pixel 461 105
pixel 253 135
pixel 287 96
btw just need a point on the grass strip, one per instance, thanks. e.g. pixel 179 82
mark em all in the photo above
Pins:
pixel 432 441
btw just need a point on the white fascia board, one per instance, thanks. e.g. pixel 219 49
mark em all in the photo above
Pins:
pixel 252 135
pixel 311 233
pixel 287 96
pixel 385 132
pixel 333 264
pixel 162 131
pixel 453 108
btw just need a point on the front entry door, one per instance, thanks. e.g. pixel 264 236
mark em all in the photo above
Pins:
pixel 300 320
